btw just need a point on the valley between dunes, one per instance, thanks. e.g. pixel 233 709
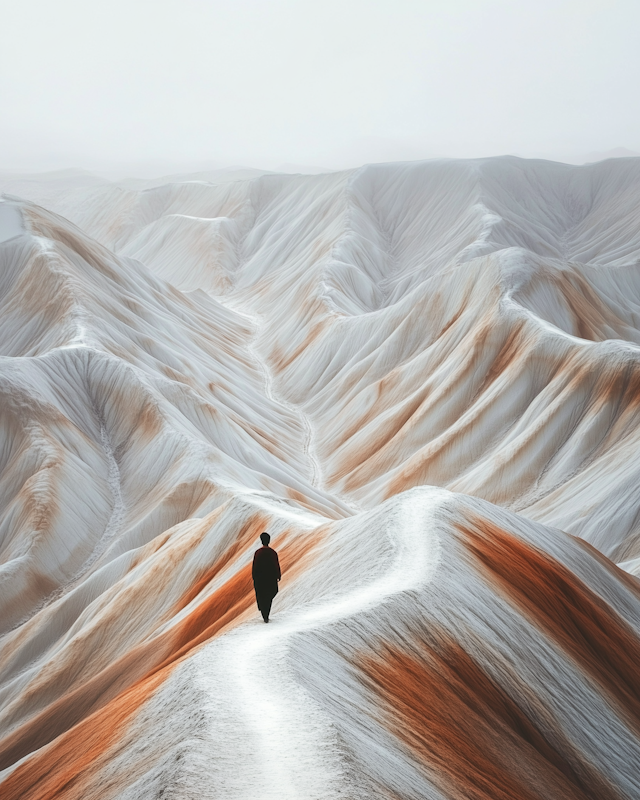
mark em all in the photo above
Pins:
pixel 423 379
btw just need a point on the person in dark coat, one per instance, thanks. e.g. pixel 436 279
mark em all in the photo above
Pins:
pixel 266 574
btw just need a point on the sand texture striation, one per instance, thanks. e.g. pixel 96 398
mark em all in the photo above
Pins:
pixel 423 379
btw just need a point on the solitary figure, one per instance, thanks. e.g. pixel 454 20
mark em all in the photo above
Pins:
pixel 266 574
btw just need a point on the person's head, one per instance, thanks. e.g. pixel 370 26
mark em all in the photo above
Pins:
pixel 265 539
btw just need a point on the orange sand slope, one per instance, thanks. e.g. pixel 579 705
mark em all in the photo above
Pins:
pixel 424 381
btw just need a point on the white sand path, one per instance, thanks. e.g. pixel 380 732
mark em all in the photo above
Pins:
pixel 271 739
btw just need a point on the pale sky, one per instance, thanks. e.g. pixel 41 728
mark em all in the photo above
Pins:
pixel 334 83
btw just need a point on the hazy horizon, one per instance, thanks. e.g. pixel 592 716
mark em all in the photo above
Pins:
pixel 167 87
pixel 150 172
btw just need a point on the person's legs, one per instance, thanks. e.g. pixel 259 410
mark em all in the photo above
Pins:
pixel 264 598
pixel 259 601
pixel 264 604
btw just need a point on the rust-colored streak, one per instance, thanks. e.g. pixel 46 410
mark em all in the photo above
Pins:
pixel 207 619
pixel 381 438
pixel 475 742
pixel 509 354
pixel 427 466
pixel 568 611
pixel 281 362
pixel 53 772
pixel 304 502
pixel 223 606
pixel 204 621
pixel 62 768
pixel 591 314
pixel 74 706
pixel 73 240
pixel 249 532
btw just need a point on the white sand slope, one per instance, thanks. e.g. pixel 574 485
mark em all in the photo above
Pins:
pixel 424 381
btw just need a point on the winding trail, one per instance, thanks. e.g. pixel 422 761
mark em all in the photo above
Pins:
pixel 268 738
pixel 272 739
pixel 308 444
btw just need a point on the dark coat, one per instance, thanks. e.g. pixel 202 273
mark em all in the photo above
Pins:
pixel 266 572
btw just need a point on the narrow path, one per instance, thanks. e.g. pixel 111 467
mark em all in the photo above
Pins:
pixel 315 470
pixel 272 740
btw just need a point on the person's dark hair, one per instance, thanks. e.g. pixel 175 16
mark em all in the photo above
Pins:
pixel 265 538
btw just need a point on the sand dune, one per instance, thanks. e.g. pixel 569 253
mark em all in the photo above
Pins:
pixel 424 380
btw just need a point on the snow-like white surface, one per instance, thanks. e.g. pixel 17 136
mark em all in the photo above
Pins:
pixel 428 319
pixel 409 374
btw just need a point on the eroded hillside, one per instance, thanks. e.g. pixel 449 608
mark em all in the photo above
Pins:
pixel 424 380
